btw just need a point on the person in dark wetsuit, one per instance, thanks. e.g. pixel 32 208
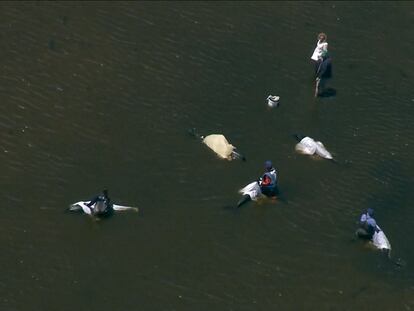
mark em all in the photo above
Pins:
pixel 324 68
pixel 268 182
pixel 323 72
pixel 103 205
pixel 321 47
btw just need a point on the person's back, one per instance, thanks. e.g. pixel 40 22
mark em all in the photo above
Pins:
pixel 370 226
pixel 102 204
pixel 367 225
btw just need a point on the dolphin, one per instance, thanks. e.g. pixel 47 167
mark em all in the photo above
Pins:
pixel 219 144
pixel 99 209
pixel 309 146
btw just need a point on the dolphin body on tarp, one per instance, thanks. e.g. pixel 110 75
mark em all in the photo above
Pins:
pixel 251 192
pixel 380 240
pixel 82 206
pixel 309 146
pixel 220 145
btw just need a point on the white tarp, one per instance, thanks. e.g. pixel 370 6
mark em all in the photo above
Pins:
pixel 219 144
pixel 380 240
pixel 253 190
pixel 309 146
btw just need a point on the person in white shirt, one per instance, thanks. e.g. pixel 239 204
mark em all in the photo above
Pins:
pixel 320 49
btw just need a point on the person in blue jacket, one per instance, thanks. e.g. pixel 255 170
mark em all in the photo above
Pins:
pixel 268 181
pixel 103 205
pixel 367 225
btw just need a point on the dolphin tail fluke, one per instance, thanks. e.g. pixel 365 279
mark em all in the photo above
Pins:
pixel 298 136
pixel 238 155
pixel 246 198
pixel 193 132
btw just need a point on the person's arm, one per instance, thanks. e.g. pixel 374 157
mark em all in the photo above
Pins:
pixel 93 201
pixel 363 219
pixel 323 48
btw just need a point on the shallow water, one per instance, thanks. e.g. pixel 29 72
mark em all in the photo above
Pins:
pixel 102 94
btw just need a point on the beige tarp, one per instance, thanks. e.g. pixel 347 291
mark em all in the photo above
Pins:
pixel 219 144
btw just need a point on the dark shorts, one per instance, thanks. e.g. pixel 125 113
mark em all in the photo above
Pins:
pixel 323 69
pixel 315 65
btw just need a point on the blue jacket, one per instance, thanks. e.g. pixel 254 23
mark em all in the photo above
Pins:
pixel 368 223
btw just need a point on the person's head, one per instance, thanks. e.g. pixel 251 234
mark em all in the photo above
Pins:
pixel 268 165
pixel 322 37
pixel 105 192
pixel 370 212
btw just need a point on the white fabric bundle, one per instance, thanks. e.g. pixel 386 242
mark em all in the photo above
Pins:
pixel 253 190
pixel 309 146
pixel 380 240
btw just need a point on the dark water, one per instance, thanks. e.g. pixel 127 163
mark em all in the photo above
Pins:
pixel 101 94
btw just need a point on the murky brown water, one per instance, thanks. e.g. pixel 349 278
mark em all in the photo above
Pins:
pixel 101 95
